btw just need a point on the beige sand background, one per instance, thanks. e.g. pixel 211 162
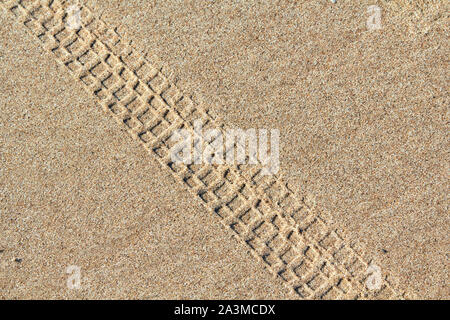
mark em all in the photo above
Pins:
pixel 76 190
pixel 363 117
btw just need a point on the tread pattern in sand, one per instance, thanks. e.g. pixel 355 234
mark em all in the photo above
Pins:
pixel 293 240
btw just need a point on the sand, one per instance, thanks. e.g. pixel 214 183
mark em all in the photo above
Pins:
pixel 363 121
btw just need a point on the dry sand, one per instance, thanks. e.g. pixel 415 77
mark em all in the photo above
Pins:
pixel 76 190
pixel 363 117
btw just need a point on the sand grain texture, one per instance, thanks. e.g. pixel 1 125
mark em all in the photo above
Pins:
pixel 363 118
pixel 77 190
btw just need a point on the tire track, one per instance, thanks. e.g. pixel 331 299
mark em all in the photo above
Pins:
pixel 292 239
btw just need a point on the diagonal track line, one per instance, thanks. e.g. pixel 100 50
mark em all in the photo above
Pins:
pixel 293 241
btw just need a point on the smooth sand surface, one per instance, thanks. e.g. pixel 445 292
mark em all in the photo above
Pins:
pixel 363 117
pixel 76 190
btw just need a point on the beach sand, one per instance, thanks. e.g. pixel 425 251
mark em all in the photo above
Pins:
pixel 363 118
